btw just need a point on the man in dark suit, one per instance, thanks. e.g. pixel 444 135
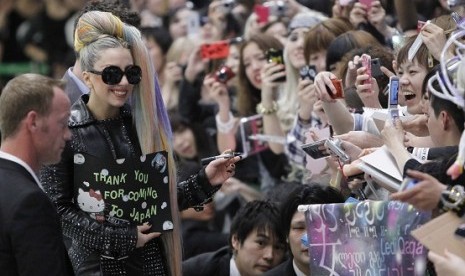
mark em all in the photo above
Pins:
pixel 256 244
pixel 34 112
pixel 294 226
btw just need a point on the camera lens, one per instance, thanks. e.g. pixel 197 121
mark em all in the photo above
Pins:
pixel 222 76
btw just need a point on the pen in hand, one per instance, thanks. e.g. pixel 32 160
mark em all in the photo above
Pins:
pixel 207 160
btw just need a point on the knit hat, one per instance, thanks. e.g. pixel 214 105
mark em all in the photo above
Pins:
pixel 303 20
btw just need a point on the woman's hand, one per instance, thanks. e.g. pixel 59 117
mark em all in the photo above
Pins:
pixel 217 91
pixel 393 134
pixel 368 92
pixel 269 74
pixel 361 139
pixel 195 65
pixel 143 238
pixel 447 265
pixel 377 17
pixel 434 38
pixel 416 124
pixel 221 169
pixel 425 195
pixel 323 80
pixel 307 98
pixel 172 73
pixel 358 14
pixel 351 74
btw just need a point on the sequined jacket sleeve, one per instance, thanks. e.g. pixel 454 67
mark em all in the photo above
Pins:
pixel 195 191
pixel 105 238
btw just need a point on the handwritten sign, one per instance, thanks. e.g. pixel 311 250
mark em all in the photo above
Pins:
pixel 124 191
pixel 366 238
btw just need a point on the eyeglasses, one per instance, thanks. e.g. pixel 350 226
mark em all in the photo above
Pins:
pixel 112 75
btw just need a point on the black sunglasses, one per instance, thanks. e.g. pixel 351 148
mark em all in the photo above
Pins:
pixel 113 74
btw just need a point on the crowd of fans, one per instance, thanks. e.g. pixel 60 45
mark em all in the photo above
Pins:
pixel 215 71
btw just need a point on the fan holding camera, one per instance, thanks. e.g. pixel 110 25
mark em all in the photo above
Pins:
pixel 272 74
pixel 370 16
pixel 365 82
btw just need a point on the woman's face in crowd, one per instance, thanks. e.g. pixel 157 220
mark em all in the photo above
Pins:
pixel 105 96
pixel 209 32
pixel 259 252
pixel 295 47
pixel 279 31
pixel 184 143
pixel 233 58
pixel 411 75
pixel 253 59
pixel 318 59
pixel 178 27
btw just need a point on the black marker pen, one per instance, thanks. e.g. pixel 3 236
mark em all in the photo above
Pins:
pixel 207 160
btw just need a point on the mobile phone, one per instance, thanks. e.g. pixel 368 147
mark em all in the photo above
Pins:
pixel 276 55
pixel 193 24
pixel 393 91
pixel 308 72
pixel 393 99
pixel 316 149
pixel 339 92
pixel 262 13
pixel 215 50
pixel 407 183
pixel 224 74
pixel 376 68
pixel 333 146
pixel 366 62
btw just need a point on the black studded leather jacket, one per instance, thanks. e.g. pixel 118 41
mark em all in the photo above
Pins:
pixel 93 242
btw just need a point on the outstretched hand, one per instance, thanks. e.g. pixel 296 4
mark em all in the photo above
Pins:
pixel 425 195
pixel 447 265
pixel 221 169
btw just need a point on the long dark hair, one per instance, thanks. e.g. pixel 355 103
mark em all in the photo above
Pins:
pixel 206 146
pixel 248 96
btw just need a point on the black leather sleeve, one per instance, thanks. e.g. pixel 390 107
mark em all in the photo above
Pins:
pixel 195 191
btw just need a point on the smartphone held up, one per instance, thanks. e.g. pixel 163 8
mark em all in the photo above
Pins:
pixel 276 56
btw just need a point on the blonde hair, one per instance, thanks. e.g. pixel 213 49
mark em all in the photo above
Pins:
pixel 97 31
pixel 288 101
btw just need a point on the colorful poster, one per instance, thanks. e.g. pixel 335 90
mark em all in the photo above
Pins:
pixel 124 191
pixel 251 132
pixel 365 239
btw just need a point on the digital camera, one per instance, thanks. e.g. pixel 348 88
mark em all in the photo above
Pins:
pixel 224 74
pixel 339 92
pixel 308 72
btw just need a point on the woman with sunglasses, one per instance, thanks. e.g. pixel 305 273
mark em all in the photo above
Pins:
pixel 117 69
